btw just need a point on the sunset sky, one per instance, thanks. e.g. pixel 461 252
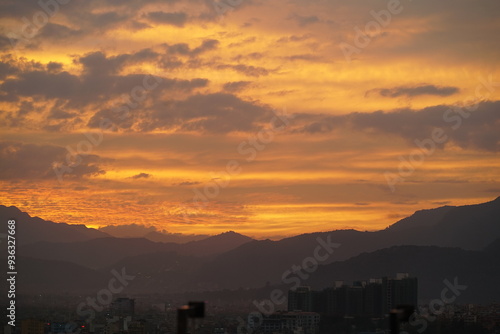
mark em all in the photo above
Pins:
pixel 270 118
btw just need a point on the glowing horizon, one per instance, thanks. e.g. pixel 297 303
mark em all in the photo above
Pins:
pixel 124 113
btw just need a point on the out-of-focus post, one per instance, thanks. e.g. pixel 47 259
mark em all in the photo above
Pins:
pixel 192 310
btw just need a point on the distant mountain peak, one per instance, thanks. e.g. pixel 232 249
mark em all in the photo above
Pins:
pixel 35 229
pixel 149 232
pixel 231 234
pixel 219 243
pixel 422 218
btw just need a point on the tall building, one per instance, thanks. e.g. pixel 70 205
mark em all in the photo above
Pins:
pixel 343 300
pixel 372 298
pixel 338 300
pixel 355 299
pixel 137 327
pixel 300 299
pixel 402 290
pixel 319 302
pixel 291 323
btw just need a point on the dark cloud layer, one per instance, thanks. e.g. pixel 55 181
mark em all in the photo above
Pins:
pixel 176 19
pixel 36 23
pixel 31 161
pixel 304 20
pixel 185 50
pixel 100 82
pixel 141 176
pixel 212 113
pixel 248 70
pixel 236 86
pixel 478 129
pixel 415 91
pixel 57 32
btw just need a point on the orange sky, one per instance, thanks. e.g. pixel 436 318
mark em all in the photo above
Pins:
pixel 122 112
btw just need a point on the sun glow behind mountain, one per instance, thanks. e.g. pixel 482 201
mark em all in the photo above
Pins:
pixel 220 79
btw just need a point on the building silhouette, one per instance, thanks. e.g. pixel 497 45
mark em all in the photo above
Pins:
pixel 290 323
pixel 401 290
pixel 373 298
pixel 301 299
pixel 123 307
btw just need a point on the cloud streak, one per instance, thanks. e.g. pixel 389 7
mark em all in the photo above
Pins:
pixel 30 161
pixel 415 91
pixel 479 131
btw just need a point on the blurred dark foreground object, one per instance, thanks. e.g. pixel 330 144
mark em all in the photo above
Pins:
pixel 192 310
pixel 401 313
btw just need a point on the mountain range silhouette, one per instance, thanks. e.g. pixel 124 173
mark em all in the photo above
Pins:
pixel 433 245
